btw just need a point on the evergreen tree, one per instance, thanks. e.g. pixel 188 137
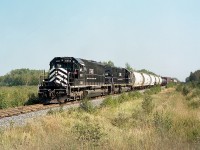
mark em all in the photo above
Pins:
pixel 194 76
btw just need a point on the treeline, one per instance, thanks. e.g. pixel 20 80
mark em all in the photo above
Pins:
pixel 20 77
pixel 194 77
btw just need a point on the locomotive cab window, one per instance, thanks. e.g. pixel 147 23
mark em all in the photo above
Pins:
pixel 91 71
pixel 76 72
pixel 58 66
pixel 81 68
pixel 67 66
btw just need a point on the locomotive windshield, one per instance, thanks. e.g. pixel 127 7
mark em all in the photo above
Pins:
pixel 68 66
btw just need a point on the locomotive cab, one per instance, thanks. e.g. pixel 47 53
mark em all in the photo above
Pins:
pixel 70 70
pixel 64 73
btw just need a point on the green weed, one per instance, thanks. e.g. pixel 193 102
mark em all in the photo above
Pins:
pixel 17 96
pixel 87 106
pixel 162 122
pixel 147 104
pixel 88 133
pixel 121 120
pixel 110 102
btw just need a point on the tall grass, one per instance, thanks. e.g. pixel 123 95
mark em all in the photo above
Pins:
pixel 192 93
pixel 17 96
pixel 87 106
pixel 153 90
pixel 116 101
pixel 130 122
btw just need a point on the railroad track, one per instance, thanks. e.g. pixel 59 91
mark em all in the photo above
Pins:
pixel 29 108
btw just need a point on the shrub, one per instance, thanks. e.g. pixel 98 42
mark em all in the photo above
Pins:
pixel 185 90
pixel 170 84
pixel 110 101
pixel 3 103
pixel 147 104
pixel 56 111
pixel 123 98
pixel 194 103
pixel 179 88
pixel 190 128
pixel 32 99
pixel 120 121
pixel 135 95
pixel 16 96
pixel 87 106
pixel 153 90
pixel 137 114
pixel 113 102
pixel 162 122
pixel 51 112
pixel 195 93
pixel 88 133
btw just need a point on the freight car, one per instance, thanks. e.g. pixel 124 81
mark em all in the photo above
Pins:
pixel 72 78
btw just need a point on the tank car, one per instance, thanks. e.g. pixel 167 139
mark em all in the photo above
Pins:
pixel 137 79
pixel 153 80
pixel 147 80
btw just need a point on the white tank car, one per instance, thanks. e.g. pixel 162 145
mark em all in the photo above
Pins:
pixel 147 79
pixel 137 79
pixel 153 79
pixel 160 80
pixel 157 80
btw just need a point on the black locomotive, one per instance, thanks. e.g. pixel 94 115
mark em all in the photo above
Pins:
pixel 72 78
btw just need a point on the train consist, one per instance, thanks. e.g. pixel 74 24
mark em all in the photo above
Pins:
pixel 72 78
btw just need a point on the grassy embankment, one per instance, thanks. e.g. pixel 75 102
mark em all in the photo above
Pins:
pixel 167 120
pixel 17 96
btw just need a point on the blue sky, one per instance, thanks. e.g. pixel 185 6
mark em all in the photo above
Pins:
pixel 162 36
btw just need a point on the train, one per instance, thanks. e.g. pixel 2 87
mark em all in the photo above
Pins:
pixel 71 78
